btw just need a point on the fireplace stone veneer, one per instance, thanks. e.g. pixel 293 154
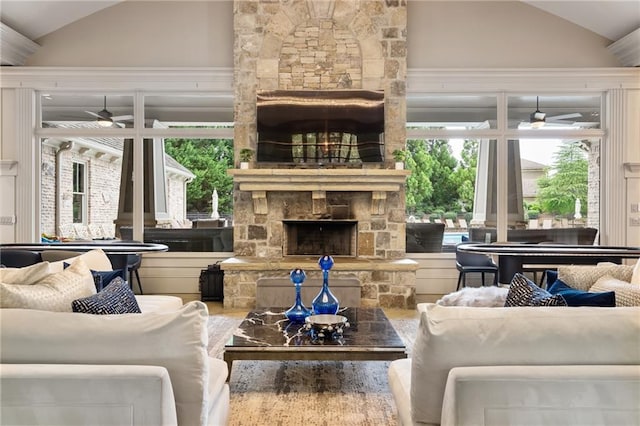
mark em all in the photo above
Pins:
pixel 329 45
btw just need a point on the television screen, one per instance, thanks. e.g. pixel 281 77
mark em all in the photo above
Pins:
pixel 320 126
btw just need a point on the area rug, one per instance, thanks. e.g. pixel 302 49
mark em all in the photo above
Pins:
pixel 312 393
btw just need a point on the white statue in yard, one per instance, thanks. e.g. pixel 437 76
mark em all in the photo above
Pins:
pixel 577 214
pixel 214 205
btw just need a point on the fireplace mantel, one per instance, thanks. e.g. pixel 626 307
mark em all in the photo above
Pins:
pixel 321 179
pixel 318 182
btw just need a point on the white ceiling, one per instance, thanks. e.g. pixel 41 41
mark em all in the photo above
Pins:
pixel 612 19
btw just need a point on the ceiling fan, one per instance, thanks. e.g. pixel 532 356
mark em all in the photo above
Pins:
pixel 105 118
pixel 538 118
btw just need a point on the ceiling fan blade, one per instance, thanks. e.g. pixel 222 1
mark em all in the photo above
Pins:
pixel 122 118
pixel 565 116
pixel 94 114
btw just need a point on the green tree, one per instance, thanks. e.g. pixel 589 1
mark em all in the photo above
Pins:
pixel 419 185
pixel 444 163
pixel 209 160
pixel 464 176
pixel 565 181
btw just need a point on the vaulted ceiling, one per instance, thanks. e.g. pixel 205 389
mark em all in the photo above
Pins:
pixel 612 19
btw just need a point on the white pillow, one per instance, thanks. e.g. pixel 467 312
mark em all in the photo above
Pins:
pixel 96 260
pixel 176 340
pixel 26 276
pixel 55 292
pixel 627 294
pixel 635 278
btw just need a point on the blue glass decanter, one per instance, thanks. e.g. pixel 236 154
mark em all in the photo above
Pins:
pixel 325 302
pixel 298 312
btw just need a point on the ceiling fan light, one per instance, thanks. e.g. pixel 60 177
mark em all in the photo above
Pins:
pixel 537 119
pixel 105 122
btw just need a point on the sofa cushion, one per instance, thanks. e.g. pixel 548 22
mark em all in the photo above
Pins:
pixel 627 294
pixel 524 292
pixel 54 292
pixel 451 336
pixel 26 276
pixel 575 297
pixel 163 302
pixel 635 277
pixel 176 340
pixel 115 298
pixel 582 277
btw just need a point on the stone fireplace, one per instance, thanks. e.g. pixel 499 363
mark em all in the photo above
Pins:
pixel 287 215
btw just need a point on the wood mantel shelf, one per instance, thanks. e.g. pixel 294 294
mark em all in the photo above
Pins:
pixel 367 180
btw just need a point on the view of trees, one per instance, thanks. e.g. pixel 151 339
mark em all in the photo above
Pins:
pixel 565 181
pixel 209 160
pixel 438 181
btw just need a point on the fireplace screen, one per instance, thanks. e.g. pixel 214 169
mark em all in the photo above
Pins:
pixel 333 237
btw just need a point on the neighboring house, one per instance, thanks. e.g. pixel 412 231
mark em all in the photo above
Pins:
pixel 531 172
pixel 82 175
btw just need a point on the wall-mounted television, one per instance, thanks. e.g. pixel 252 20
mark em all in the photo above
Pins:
pixel 320 126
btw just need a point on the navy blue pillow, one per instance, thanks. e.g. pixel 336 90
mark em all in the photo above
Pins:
pixel 102 278
pixel 575 297
pixel 115 298
pixel 524 292
pixel 551 276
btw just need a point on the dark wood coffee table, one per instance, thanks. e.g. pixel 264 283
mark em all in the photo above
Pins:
pixel 266 334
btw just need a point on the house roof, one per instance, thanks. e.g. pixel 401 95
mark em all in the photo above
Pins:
pixel 113 145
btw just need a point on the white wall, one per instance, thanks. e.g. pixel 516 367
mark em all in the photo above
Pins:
pixel 441 34
pixel 144 34
pixel 499 34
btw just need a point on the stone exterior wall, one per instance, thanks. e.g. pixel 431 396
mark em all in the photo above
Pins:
pixel 320 45
pixel 103 189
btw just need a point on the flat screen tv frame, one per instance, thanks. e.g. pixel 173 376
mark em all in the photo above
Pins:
pixel 320 126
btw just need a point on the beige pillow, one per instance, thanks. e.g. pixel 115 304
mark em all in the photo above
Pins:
pixel 26 276
pixel 55 292
pixel 627 294
pixel 96 260
pixel 582 277
pixel 635 278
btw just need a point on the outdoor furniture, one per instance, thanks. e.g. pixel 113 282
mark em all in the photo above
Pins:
pixel 424 237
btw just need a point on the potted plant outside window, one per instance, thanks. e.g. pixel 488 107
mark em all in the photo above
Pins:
pixel 400 156
pixel 246 154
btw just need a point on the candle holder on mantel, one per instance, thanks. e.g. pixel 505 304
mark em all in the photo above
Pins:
pixel 298 312
pixel 325 302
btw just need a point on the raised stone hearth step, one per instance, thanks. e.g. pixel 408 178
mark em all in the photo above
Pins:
pixel 280 292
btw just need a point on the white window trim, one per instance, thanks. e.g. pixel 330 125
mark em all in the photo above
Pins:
pixel 614 82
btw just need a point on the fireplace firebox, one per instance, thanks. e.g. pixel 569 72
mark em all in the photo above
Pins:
pixel 334 237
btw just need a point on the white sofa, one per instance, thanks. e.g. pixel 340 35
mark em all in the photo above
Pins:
pixel 62 368
pixel 521 365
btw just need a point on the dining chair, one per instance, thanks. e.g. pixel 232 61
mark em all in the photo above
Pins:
pixel 474 263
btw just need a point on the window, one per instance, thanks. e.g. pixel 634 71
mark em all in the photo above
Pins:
pixel 79 196
pixel 181 135
pixel 550 171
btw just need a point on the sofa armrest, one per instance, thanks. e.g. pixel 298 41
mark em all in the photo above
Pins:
pixel 77 394
pixel 542 395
